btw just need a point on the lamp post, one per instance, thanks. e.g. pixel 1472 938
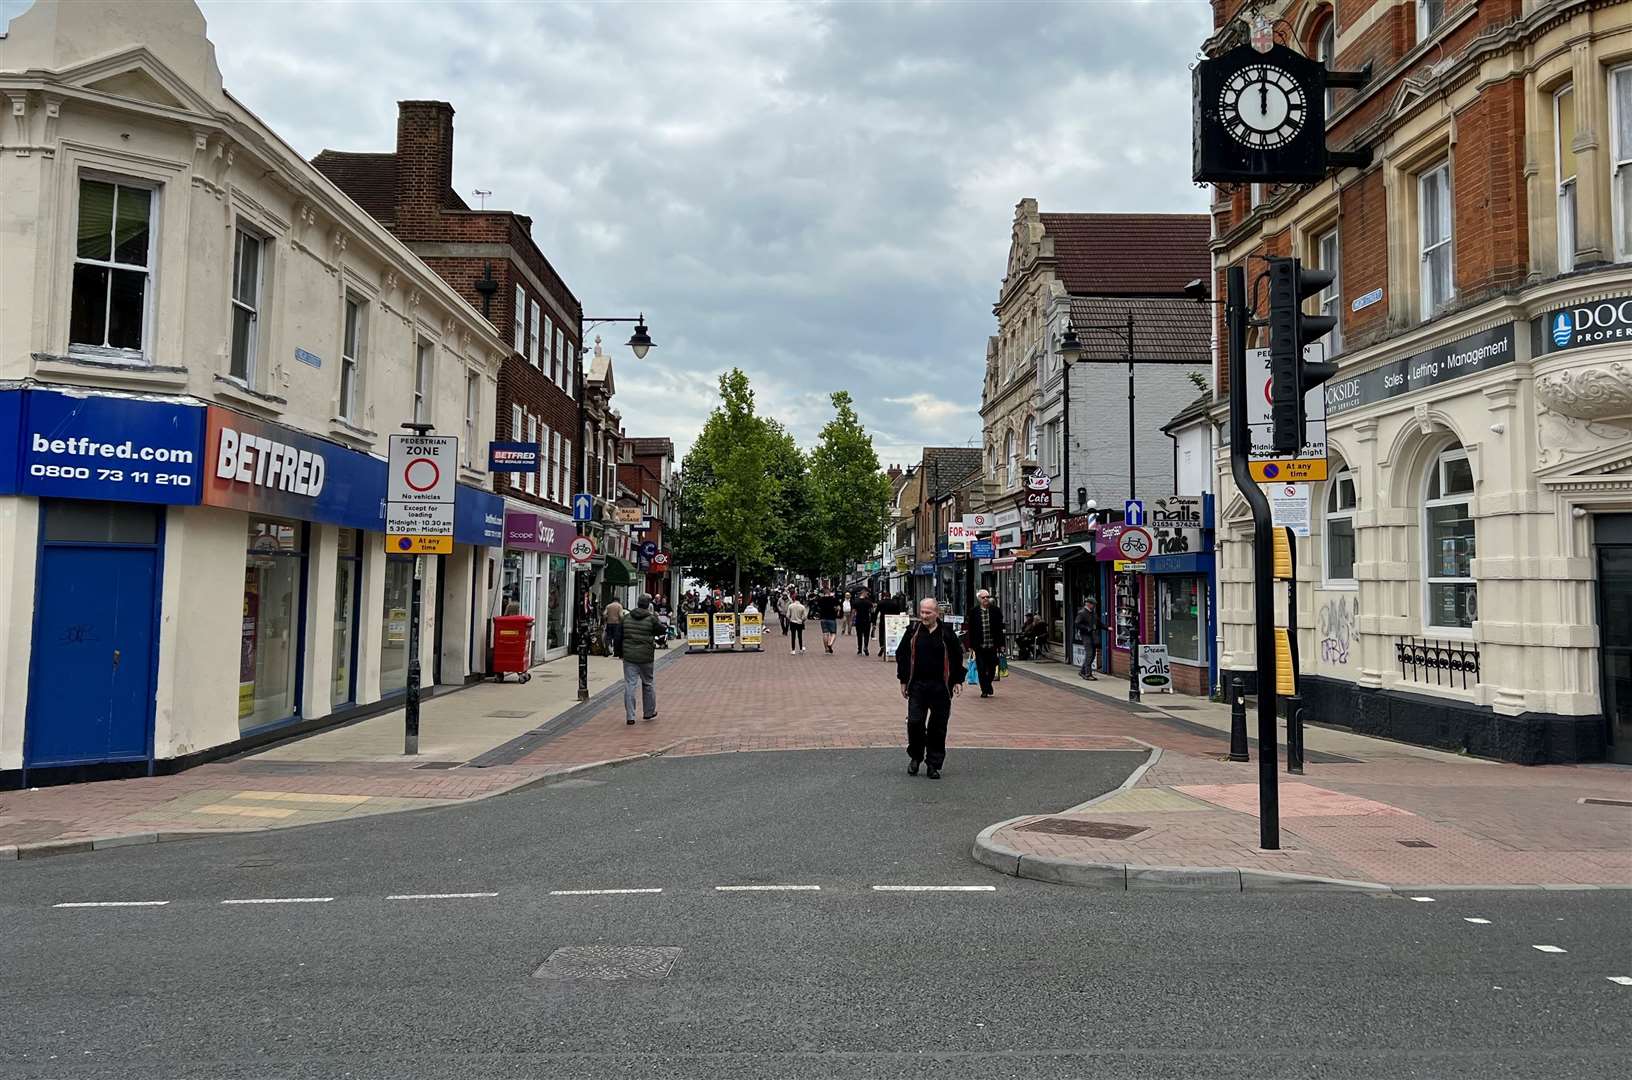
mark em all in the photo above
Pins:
pixel 640 342
pixel 1071 351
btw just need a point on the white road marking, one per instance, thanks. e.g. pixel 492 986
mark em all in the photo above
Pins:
pixel 1547 948
pixel 1623 980
pixel 283 900
pixel 1473 919
pixel 767 888
pixel 934 888
pixel 442 896
pixel 1423 899
pixel 114 903
pixel 600 892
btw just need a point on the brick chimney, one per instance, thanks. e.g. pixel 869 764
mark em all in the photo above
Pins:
pixel 424 162
pixel 894 473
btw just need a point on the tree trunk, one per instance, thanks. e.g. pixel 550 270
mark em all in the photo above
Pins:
pixel 737 589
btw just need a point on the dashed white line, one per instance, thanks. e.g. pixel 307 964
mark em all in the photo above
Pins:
pixel 282 900
pixel 767 888
pixel 113 903
pixel 600 892
pixel 1476 920
pixel 442 896
pixel 1547 948
pixel 1423 899
pixel 1622 980
pixel 934 888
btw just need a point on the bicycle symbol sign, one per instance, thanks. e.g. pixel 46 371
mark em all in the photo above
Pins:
pixel 1134 544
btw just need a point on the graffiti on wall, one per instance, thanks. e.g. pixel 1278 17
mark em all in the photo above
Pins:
pixel 1339 627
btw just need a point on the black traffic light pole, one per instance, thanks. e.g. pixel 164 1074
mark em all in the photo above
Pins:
pixel 1263 576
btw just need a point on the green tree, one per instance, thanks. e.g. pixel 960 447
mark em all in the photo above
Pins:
pixel 728 495
pixel 851 496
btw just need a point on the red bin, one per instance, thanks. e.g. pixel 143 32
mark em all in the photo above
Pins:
pixel 512 645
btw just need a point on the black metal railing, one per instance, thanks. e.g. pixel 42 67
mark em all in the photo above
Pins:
pixel 1440 662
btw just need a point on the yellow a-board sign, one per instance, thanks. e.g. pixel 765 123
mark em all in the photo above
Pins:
pixel 752 631
pixel 696 630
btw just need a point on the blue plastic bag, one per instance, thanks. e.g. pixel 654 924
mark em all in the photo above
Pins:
pixel 971 674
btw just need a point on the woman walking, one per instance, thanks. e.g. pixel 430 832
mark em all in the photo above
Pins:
pixel 796 625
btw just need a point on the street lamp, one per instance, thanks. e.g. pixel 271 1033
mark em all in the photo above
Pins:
pixel 640 342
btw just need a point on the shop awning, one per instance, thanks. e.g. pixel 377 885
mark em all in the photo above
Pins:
pixel 1062 553
pixel 619 571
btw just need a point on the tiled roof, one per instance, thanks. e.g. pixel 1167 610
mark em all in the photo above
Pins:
pixel 1197 408
pixel 370 180
pixel 650 446
pixel 1164 330
pixel 945 467
pixel 1129 254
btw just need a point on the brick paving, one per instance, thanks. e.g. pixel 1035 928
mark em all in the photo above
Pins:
pixel 1483 823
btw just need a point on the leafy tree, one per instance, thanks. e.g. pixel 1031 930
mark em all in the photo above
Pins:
pixel 851 497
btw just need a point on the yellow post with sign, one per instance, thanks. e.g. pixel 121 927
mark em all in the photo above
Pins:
pixel 696 631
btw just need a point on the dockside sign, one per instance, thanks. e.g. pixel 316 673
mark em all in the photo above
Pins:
pixel 1440 364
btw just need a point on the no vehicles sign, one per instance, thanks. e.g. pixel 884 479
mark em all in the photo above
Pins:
pixel 420 494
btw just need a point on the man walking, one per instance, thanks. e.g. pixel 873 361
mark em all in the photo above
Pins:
pixel 1088 628
pixel 864 623
pixel 828 611
pixel 640 630
pixel 929 666
pixel 612 617
pixel 795 613
pixel 985 630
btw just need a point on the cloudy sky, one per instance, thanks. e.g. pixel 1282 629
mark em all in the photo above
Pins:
pixel 818 193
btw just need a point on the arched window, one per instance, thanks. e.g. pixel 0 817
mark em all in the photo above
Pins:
pixel 1011 455
pixel 991 461
pixel 1340 505
pixel 1031 437
pixel 1451 596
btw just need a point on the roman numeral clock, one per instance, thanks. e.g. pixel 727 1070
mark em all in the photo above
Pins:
pixel 1260 117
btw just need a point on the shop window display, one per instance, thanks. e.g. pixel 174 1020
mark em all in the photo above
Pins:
pixel 269 654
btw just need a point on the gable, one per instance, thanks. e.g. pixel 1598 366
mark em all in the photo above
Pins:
pixel 138 85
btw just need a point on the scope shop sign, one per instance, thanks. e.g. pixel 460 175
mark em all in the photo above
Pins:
pixel 1596 322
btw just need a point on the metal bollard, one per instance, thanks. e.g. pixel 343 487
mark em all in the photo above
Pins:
pixel 1238 720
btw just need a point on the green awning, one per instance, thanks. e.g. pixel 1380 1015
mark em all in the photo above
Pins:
pixel 619 571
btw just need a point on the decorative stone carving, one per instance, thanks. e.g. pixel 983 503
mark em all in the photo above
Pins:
pixel 390 284
pixel 1562 438
pixel 1424 423
pixel 1599 391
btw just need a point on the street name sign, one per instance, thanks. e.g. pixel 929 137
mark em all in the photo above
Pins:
pixel 420 490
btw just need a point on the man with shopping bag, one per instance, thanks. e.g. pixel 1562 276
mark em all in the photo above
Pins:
pixel 985 633
pixel 929 666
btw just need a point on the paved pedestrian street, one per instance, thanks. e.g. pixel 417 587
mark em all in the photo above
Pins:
pixel 761 890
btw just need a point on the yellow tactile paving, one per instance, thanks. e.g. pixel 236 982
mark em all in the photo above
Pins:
pixel 246 811
pixel 1139 800
pixel 301 796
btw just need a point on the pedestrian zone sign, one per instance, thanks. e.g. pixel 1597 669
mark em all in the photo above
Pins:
pixel 1263 462
pixel 420 491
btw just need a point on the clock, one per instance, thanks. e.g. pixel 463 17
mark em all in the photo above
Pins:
pixel 1262 106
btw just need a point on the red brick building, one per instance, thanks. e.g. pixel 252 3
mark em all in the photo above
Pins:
pixel 490 257
pixel 1471 554
pixel 646 471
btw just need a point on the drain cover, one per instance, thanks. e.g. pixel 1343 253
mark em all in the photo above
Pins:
pixel 1099 830
pixel 608 962
pixel 1413 843
pixel 512 714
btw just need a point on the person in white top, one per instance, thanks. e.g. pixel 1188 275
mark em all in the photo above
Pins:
pixel 797 613
pixel 844 623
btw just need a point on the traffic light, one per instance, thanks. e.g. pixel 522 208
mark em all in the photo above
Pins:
pixel 1291 377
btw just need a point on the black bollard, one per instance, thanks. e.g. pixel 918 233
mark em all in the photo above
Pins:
pixel 1238 720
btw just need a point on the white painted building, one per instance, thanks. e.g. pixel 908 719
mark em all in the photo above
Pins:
pixel 204 346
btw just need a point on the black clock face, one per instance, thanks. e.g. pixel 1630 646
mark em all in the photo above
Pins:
pixel 1262 106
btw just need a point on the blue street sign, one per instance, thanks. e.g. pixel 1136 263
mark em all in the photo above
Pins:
pixel 648 549
pixel 583 507
pixel 981 549
pixel 1133 511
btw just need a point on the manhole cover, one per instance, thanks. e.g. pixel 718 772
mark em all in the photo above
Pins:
pixel 513 714
pixel 608 962
pixel 1099 830
pixel 1413 843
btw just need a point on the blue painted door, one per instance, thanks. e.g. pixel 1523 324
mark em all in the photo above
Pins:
pixel 90 694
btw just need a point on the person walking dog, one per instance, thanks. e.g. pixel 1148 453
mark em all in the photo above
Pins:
pixel 640 631
pixel 929 666
pixel 985 631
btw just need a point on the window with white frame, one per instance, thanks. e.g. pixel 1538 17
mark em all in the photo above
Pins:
pixel 1430 13
pixel 1031 437
pixel 353 340
pixel 111 304
pixel 1451 596
pixel 1434 230
pixel 557 353
pixel 1340 505
pixel 473 409
pixel 247 249
pixel 532 333
pixel 1054 447
pixel 1564 170
pixel 529 480
pixel 566 468
pixel 520 308
pixel 1326 52
pixel 569 365
pixel 551 451
pixel 1330 300
pixel 1620 126
pixel 554 366
pixel 424 356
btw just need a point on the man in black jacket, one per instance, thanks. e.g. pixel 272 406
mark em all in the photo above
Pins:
pixel 862 610
pixel 985 629
pixel 929 666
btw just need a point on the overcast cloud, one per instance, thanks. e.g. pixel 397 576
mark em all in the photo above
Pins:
pixel 818 193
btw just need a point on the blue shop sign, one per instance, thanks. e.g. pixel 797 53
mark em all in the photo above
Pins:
pixel 981 549
pixel 478 517
pixel 924 569
pixel 1194 562
pixel 93 446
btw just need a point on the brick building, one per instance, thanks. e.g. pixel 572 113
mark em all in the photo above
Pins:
pixel 1468 581
pixel 489 256
pixel 645 470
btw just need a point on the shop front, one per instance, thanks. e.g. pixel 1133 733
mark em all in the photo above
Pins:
pixel 133 522
pixel 1180 586
pixel 536 577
